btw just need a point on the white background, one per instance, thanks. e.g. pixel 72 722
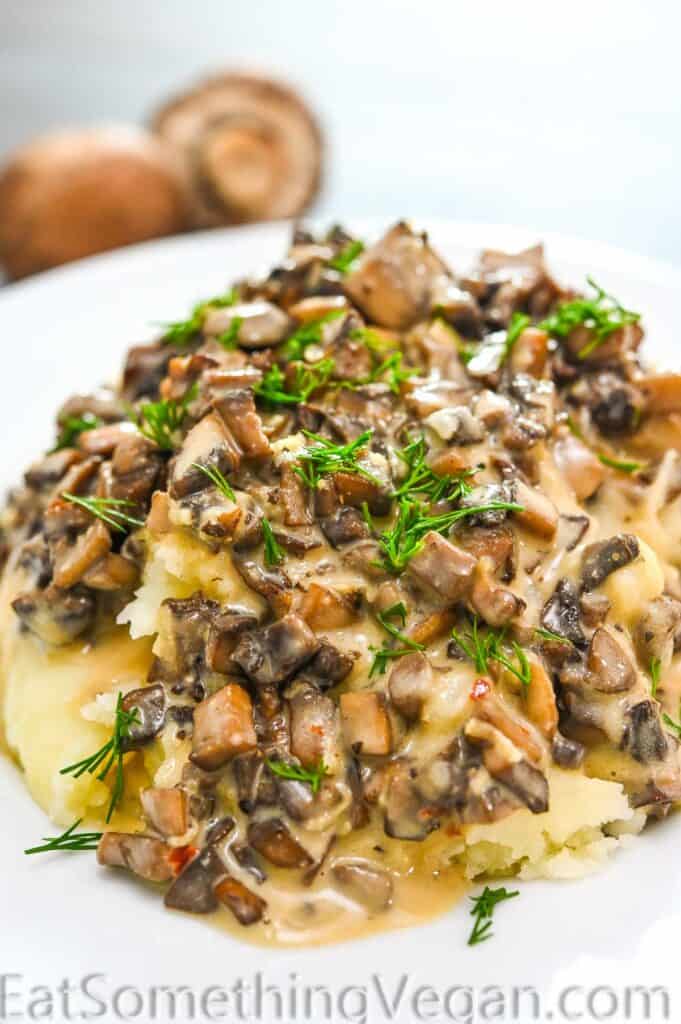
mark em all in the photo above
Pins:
pixel 562 116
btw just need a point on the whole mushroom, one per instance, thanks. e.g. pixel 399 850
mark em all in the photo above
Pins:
pixel 74 193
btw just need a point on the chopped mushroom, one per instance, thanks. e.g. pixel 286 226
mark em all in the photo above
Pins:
pixel 57 616
pixel 610 670
pixel 444 567
pixel 394 281
pixel 209 443
pixel 325 608
pixel 657 631
pixel 314 725
pixel 192 890
pixel 495 604
pixel 273 654
pixel 247 907
pixel 410 684
pixel 149 705
pixel 504 761
pixel 605 557
pixel 258 324
pixel 166 810
pixel 365 721
pixel 223 727
pixel 273 840
pixel 364 882
pixel 72 561
pixel 539 514
pixel 237 409
pixel 143 855
pixel 580 467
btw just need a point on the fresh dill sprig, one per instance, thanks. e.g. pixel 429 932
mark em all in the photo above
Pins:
pixel 308 334
pixel 68 840
pixel 159 421
pixel 391 368
pixel 71 427
pixel 623 465
pixel 483 908
pixel 385 653
pixel 274 553
pixel 217 478
pixel 109 755
pixel 674 726
pixel 229 339
pixel 109 510
pixel 421 480
pixel 313 776
pixel 181 332
pixel 655 671
pixel 482 647
pixel 601 313
pixel 347 256
pixel 404 538
pixel 556 638
pixel 274 387
pixel 324 457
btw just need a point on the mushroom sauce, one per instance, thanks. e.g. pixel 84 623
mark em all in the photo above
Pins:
pixel 446 511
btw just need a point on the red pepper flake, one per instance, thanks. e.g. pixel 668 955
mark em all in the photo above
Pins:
pixel 180 856
pixel 481 687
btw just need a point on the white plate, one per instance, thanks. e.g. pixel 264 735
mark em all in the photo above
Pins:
pixel 61 917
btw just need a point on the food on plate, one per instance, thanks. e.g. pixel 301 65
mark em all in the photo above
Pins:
pixel 74 193
pixel 251 147
pixel 362 582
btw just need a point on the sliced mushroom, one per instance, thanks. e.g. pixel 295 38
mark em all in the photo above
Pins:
pixel 49 470
pixel 567 753
pixel 539 514
pixel 325 608
pixel 257 324
pixel 223 727
pixel 293 498
pixel 444 567
pixel 166 810
pixel 561 613
pixel 209 443
pixel 193 889
pixel 223 636
pixel 344 525
pixel 328 666
pixel 273 654
pixel 504 762
pixel 610 670
pixel 71 561
pixel 643 737
pixel 273 840
pixel 247 907
pixel 366 724
pixel 273 584
pixel 149 705
pixel 657 631
pixel 136 470
pixel 394 281
pixel 495 604
pixel 314 726
pixel 580 467
pixel 594 608
pixel 145 856
pixel 113 572
pixel 365 883
pixel 250 145
pixel 541 700
pixel 605 557
pixel 404 807
pixel 410 684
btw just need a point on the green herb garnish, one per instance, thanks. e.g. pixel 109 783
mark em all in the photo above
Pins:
pixel 109 510
pixel 548 634
pixel 217 478
pixel 483 908
pixel 314 776
pixel 674 726
pixel 274 387
pixel 108 755
pixel 229 339
pixel 405 537
pixel 623 465
pixel 422 481
pixel 602 314
pixel 159 421
pixel 384 654
pixel 490 355
pixel 274 553
pixel 326 457
pixel 347 256
pixel 71 427
pixel 181 332
pixel 655 671
pixel 487 646
pixel 69 840
pixel 308 334
pixel 392 369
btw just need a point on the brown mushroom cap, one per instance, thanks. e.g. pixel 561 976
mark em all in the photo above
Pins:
pixel 251 147
pixel 74 193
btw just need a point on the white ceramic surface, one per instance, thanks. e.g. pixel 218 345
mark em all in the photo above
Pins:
pixel 61 917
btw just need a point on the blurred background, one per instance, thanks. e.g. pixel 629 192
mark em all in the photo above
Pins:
pixel 561 117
